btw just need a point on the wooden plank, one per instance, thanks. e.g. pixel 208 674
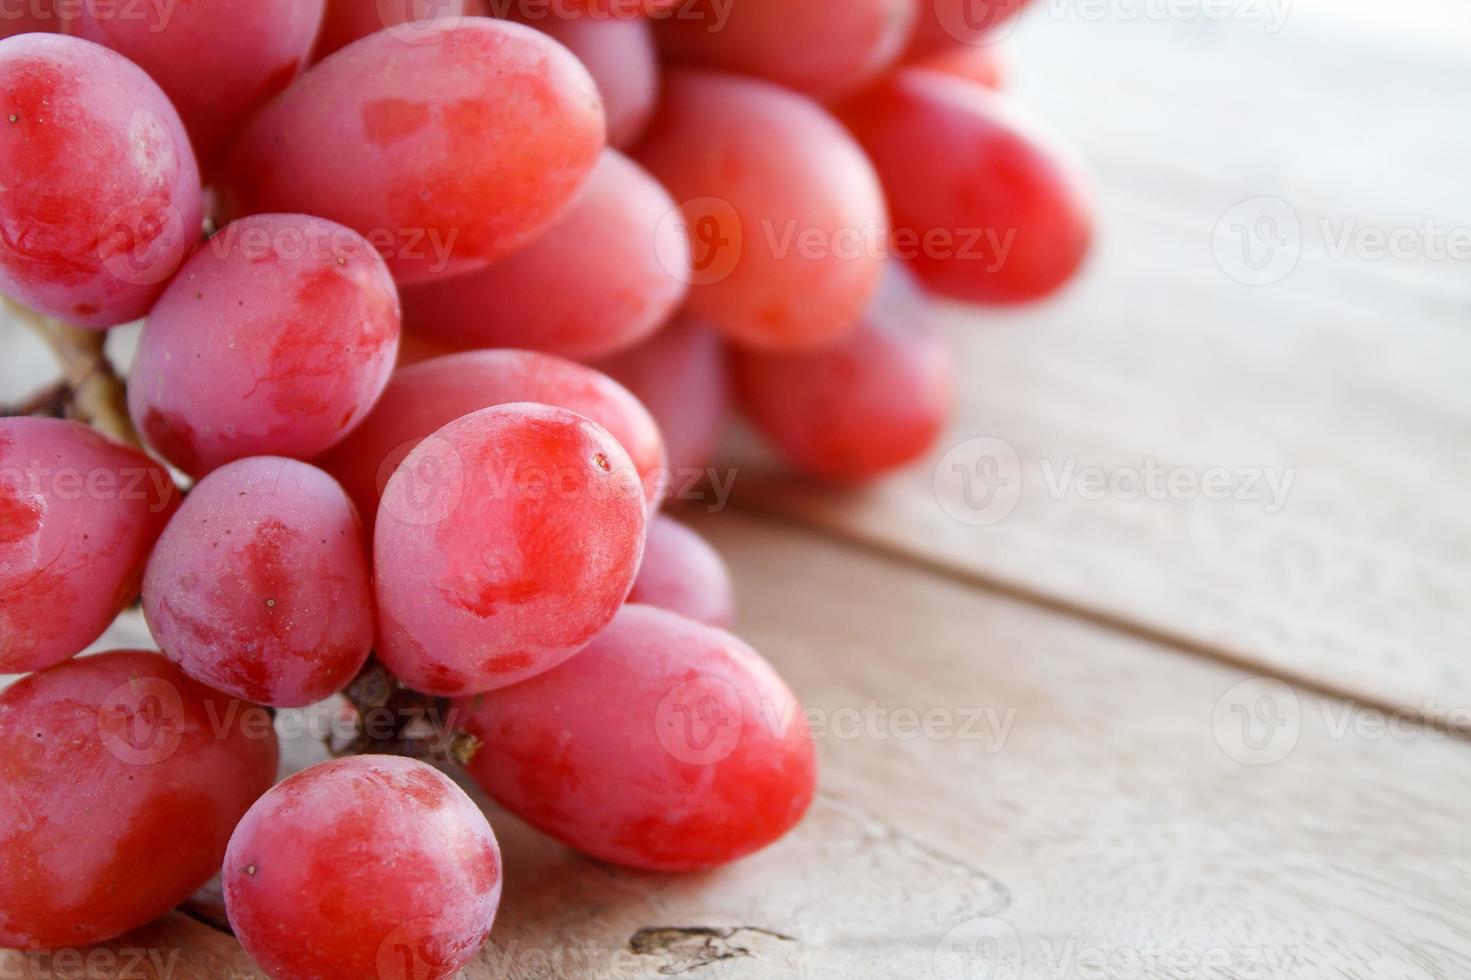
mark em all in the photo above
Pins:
pixel 1346 382
pixel 1079 795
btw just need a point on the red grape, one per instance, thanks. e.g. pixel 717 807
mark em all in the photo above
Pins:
pixel 78 515
pixel 447 153
pixel 666 744
pixel 120 782
pixel 620 54
pixel 217 60
pixel 822 47
pixel 101 195
pixel 348 20
pixel 431 394
pixel 505 542
pixel 785 214
pixel 985 65
pixel 259 586
pixel 869 404
pixel 604 276
pixel 683 574
pixel 32 16
pixel 987 205
pixel 680 375
pixel 275 338
pixel 946 23
pixel 372 866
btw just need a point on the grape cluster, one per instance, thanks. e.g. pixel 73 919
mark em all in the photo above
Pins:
pixel 391 258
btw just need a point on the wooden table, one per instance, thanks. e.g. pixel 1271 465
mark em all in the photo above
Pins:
pixel 1103 727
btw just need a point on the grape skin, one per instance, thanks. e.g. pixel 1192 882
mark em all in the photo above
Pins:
pixel 275 338
pixel 681 572
pixel 120 782
pixel 348 20
pixel 426 396
pixel 822 47
pixel 504 543
pixel 603 277
pixel 681 378
pixel 259 586
pixel 1009 201
pixel 217 60
pixel 985 65
pixel 596 752
pixel 78 515
pixel 448 153
pixel 370 866
pixel 761 172
pixel 620 55
pixel 871 403
pixel 102 198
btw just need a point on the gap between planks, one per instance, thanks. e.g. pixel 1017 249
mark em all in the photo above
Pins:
pixel 1113 622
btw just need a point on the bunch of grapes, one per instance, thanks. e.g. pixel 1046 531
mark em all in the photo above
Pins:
pixel 391 256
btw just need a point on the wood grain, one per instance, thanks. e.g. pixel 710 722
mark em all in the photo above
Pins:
pixel 1087 800
pixel 1347 382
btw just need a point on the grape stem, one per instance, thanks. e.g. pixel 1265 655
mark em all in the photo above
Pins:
pixel 393 720
pixel 98 396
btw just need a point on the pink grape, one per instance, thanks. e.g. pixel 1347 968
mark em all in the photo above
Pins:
pixel 78 515
pixel 989 206
pixel 869 404
pixel 666 744
pixel 371 866
pixel 447 153
pixel 505 542
pixel 606 274
pixel 822 47
pixel 348 20
pixel 620 55
pixel 275 338
pixel 102 199
pixel 259 586
pixel 681 572
pixel 785 214
pixel 681 376
pixel 217 60
pixel 985 64
pixel 120 782
pixel 433 393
